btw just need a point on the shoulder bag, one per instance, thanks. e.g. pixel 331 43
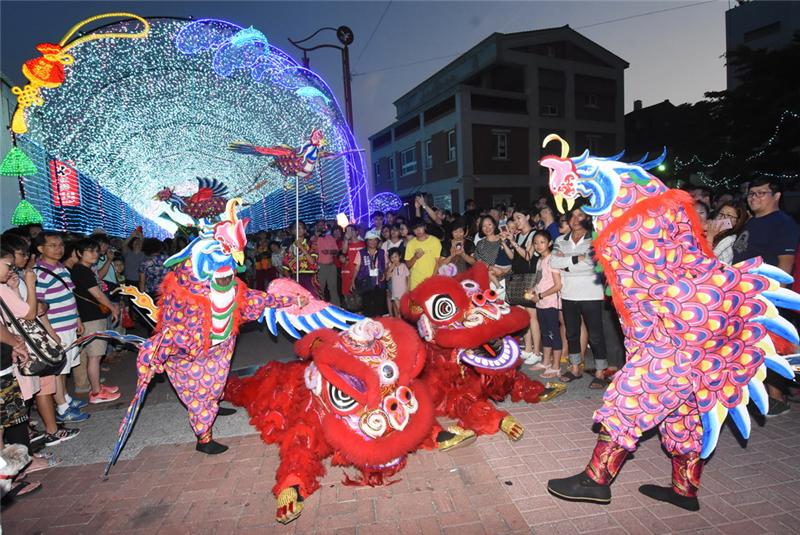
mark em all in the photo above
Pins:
pixel 524 277
pixel 103 309
pixel 45 356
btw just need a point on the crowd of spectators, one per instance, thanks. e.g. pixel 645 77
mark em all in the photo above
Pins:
pixel 67 281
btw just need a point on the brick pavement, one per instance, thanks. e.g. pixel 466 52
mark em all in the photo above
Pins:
pixel 491 487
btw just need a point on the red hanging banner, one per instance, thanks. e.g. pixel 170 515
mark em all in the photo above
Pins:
pixel 64 184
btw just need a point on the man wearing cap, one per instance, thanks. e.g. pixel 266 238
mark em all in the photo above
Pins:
pixel 422 254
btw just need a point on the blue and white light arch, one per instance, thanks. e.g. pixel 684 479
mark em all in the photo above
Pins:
pixel 138 115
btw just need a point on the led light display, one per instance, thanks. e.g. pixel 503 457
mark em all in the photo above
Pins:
pixel 385 202
pixel 140 114
pixel 17 163
pixel 25 214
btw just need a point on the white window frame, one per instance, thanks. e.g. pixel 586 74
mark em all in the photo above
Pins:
pixel 428 154
pixel 550 110
pixel 408 165
pixel 500 142
pixel 391 167
pixel 376 170
pixel 452 154
pixel 591 101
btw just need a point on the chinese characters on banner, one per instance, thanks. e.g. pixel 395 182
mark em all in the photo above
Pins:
pixel 64 184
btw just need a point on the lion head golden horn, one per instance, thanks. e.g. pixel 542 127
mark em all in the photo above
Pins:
pixel 556 137
pixel 231 207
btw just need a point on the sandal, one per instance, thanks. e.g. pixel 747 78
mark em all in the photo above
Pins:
pixel 49 462
pixel 23 488
pixel 598 384
pixel 569 377
pixel 538 366
pixel 551 373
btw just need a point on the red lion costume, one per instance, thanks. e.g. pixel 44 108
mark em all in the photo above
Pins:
pixel 355 396
pixel 472 355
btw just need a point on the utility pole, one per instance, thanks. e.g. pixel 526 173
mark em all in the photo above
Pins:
pixel 345 37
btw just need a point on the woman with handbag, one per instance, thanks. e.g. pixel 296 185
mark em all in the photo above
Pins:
pixel 523 276
pixel 94 308
pixel 43 387
pixel 15 312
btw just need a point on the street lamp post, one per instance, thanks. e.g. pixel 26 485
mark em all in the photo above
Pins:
pixel 345 37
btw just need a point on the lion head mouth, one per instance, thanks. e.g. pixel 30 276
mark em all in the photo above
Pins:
pixel 497 355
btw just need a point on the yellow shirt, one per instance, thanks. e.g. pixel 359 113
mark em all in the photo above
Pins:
pixel 425 266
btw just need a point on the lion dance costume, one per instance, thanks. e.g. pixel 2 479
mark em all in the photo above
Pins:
pixel 472 354
pixel 696 330
pixel 201 308
pixel 354 395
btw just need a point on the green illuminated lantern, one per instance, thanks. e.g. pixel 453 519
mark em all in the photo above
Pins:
pixel 17 163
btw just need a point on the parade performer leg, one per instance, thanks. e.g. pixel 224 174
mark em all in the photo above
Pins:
pixel 681 434
pixel 648 389
pixel 594 483
pixel 199 384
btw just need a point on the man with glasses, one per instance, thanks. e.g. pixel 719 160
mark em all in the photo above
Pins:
pixel 773 235
pixel 54 288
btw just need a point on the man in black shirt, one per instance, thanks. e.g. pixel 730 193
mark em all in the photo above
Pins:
pixel 772 235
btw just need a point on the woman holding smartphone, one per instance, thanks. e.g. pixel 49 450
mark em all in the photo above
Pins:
pixel 723 230
pixel 458 250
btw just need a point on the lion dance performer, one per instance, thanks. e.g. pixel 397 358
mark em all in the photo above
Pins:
pixel 473 356
pixel 696 330
pixel 201 308
pixel 354 396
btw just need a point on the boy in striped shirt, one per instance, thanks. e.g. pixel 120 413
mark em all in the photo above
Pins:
pixel 54 288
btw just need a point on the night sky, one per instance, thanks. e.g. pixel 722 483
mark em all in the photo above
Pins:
pixel 674 55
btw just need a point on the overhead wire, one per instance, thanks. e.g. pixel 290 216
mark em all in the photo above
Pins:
pixel 593 25
pixel 374 30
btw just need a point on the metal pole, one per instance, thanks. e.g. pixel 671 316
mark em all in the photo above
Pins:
pixel 348 97
pixel 297 228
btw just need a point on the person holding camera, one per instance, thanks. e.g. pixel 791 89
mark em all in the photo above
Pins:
pixel 723 230
pixel 458 251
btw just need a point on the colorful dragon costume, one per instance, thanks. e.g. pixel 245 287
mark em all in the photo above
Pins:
pixel 472 355
pixel 696 330
pixel 201 307
pixel 355 396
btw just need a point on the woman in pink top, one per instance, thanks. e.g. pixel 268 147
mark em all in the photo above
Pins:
pixel 548 303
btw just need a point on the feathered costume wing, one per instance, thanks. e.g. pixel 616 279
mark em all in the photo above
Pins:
pixel 697 330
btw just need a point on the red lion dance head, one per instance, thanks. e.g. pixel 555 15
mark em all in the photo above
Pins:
pixel 463 313
pixel 373 411
pixel 355 397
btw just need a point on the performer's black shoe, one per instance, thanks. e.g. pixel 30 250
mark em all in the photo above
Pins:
pixel 580 488
pixel 668 494
pixel 225 411
pixel 212 447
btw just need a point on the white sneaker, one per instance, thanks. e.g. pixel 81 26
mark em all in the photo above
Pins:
pixel 530 358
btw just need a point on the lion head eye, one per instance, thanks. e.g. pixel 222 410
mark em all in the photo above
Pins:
pixel 340 401
pixel 441 307
pixel 388 373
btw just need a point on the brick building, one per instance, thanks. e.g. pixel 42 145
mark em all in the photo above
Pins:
pixel 473 129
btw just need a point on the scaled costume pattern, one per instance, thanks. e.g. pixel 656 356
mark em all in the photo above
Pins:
pixel 201 307
pixel 696 330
